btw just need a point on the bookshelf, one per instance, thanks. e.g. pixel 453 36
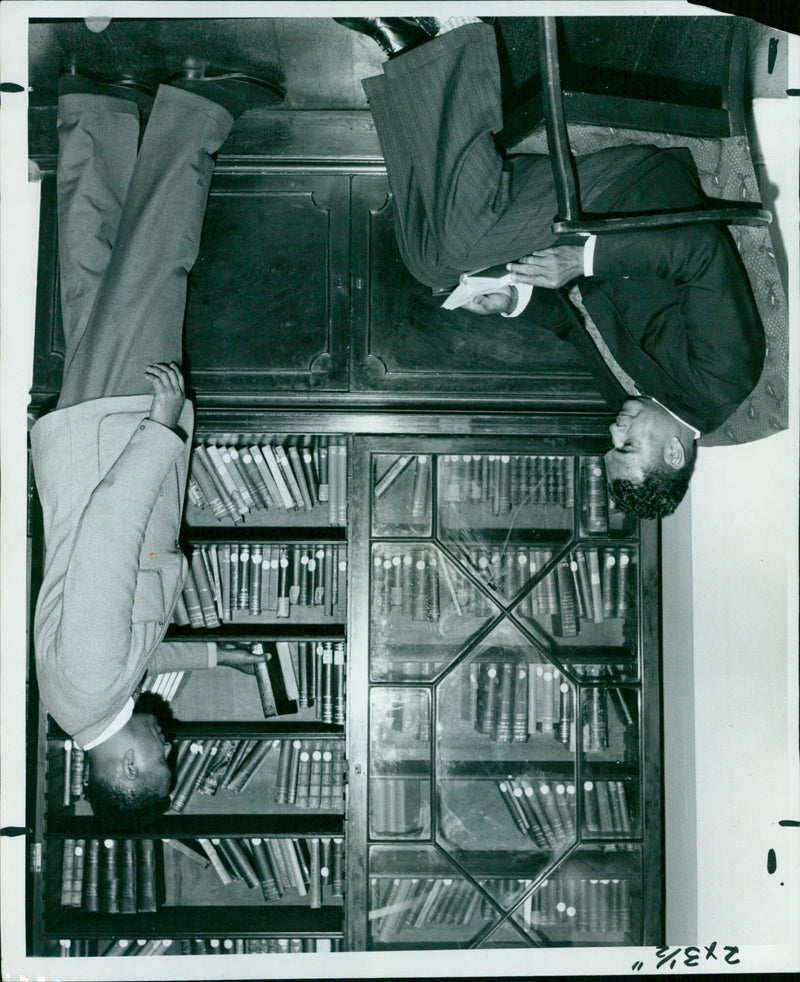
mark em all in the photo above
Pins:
pixel 462 744
pixel 511 792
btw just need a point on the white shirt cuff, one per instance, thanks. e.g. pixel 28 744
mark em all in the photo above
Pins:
pixel 588 255
pixel 212 654
pixel 524 293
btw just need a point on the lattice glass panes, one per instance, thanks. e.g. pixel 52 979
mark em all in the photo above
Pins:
pixel 401 494
pixel 418 900
pixel 490 504
pixel 423 612
pixel 500 755
pixel 588 604
pixel 399 769
pixel 593 898
pixel 598 513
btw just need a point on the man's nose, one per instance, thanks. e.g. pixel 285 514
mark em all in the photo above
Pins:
pixel 617 435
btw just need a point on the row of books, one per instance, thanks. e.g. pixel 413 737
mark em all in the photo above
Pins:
pixel 589 585
pixel 545 811
pixel 594 906
pixel 310 867
pixel 231 582
pixel 416 583
pixel 588 905
pixel 506 481
pixel 127 947
pixel 112 876
pixel 410 903
pixel 309 773
pixel 509 699
pixel 281 474
pixel 300 674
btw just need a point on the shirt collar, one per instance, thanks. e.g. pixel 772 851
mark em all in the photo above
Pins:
pixel 113 727
pixel 697 434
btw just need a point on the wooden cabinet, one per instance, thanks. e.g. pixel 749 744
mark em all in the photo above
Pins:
pixel 299 297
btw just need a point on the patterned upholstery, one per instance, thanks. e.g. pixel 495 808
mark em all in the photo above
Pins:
pixel 726 171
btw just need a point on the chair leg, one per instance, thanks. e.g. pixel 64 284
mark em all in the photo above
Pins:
pixel 564 174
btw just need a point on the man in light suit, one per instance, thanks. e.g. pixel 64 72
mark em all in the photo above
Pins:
pixel 111 461
pixel 665 318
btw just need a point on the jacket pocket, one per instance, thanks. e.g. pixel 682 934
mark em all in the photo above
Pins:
pixel 148 598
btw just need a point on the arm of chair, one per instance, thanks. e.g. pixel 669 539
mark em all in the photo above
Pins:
pixel 729 214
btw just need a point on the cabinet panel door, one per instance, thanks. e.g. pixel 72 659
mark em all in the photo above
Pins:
pixel 268 295
pixel 405 344
pixel 267 305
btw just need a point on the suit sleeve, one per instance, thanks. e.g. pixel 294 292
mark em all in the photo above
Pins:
pixel 713 327
pixel 183 656
pixel 100 581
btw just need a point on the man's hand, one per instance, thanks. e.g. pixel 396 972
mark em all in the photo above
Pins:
pixel 242 659
pixel 167 381
pixel 549 268
pixel 493 303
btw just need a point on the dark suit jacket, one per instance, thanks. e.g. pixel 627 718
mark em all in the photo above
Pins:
pixel 674 305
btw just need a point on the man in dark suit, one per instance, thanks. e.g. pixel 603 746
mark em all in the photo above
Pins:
pixel 666 318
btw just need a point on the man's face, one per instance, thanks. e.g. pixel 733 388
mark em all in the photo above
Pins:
pixel 152 750
pixel 640 434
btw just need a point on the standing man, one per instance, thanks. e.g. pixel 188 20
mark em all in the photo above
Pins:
pixel 111 461
pixel 665 319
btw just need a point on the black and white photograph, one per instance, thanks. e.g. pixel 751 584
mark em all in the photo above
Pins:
pixel 399 451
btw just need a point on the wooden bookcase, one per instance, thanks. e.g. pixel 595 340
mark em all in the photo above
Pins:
pixel 368 356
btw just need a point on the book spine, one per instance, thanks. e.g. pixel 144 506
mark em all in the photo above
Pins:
pixel 205 595
pixel 109 883
pixel 67 868
pixel 265 691
pixel 146 876
pixel 127 858
pixel 245 774
pixel 300 793
pixel 264 871
pixel 239 860
pixel 203 462
pixel 226 479
pixel 310 472
pixel 191 854
pixel 209 848
pixel 337 868
pixel 192 600
pixel 593 560
pixel 240 476
pixel 595 500
pixel 391 474
pixel 278 861
pixel 91 877
pixel 299 473
pixel 267 485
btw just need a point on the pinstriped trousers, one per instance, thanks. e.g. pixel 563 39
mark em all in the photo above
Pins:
pixel 459 204
pixel 129 230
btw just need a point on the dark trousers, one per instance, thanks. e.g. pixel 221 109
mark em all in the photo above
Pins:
pixel 128 233
pixel 460 204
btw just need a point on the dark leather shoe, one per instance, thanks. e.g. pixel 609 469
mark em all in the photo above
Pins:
pixel 393 34
pixel 75 80
pixel 235 91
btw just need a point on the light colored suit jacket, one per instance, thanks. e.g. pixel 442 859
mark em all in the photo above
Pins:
pixel 111 483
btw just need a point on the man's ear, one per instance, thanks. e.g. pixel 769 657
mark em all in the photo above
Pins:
pixel 129 765
pixel 674 453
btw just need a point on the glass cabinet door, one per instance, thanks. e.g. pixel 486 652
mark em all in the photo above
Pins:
pixel 505 653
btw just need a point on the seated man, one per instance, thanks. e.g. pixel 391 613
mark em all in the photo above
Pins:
pixel 666 318
pixel 111 461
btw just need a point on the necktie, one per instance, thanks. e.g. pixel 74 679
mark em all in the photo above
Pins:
pixel 614 366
